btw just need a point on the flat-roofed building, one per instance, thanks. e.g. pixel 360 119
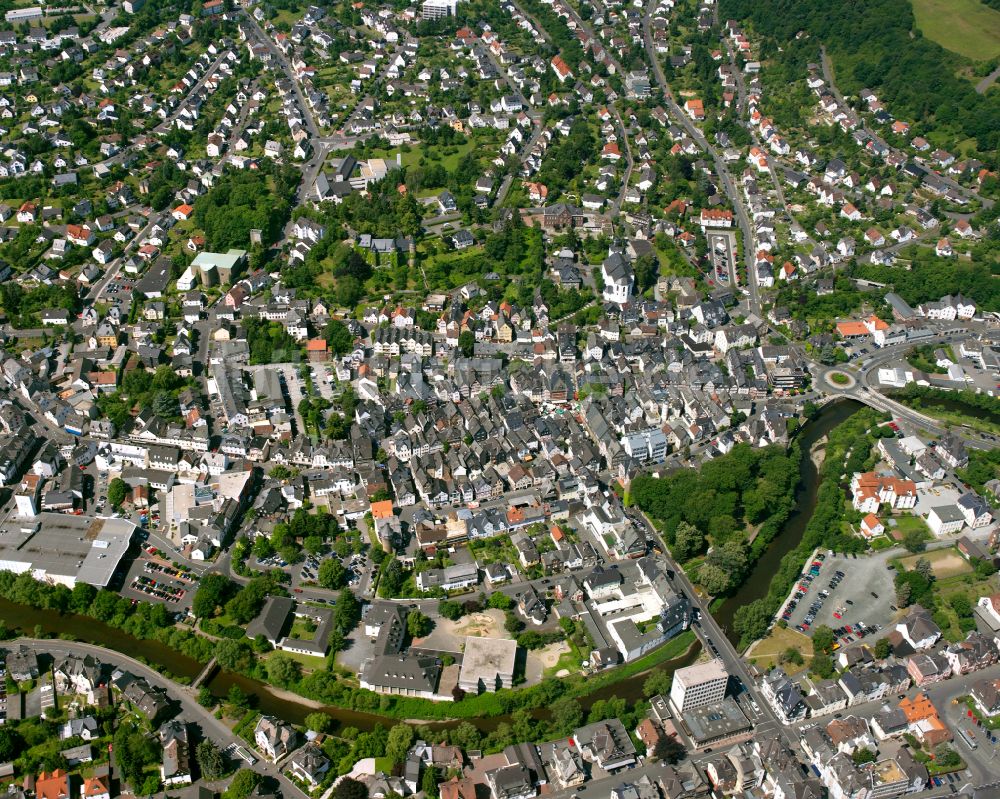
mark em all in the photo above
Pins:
pixel 699 685
pixel 63 549
pixel 487 664
pixel 715 723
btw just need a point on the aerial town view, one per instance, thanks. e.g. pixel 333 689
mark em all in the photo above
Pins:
pixel 498 399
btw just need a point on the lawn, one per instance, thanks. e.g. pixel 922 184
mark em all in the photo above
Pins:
pixel 947 562
pixel 966 27
pixel 764 653
pixel 309 662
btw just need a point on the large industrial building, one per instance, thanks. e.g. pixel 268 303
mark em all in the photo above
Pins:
pixel 64 549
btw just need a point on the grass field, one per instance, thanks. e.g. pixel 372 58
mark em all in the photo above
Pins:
pixel 945 562
pixel 765 652
pixel 966 27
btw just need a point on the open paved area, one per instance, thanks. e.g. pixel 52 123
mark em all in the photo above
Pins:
pixel 934 498
pixel 863 576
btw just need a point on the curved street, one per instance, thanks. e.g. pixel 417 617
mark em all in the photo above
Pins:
pixel 212 728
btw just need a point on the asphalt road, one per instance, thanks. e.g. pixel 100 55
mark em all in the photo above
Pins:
pixel 190 710
pixel 721 169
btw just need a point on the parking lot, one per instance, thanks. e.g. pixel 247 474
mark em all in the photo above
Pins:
pixel 864 594
pixel 151 579
pixel 721 255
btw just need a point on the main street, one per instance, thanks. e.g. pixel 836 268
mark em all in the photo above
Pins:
pixel 714 637
pixel 276 54
pixel 721 169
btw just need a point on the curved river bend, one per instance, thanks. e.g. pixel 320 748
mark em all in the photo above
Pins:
pixel 27 619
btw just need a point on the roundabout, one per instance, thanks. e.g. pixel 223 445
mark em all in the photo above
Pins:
pixel 841 381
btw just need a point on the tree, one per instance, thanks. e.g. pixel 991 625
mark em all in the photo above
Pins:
pixel 418 625
pixel 117 491
pixel 237 698
pixel 500 601
pixel 318 722
pixel 350 788
pixel 283 670
pixel 792 655
pixel 313 544
pixel 946 757
pixel 668 749
pixel 512 624
pixel 165 405
pixel 924 567
pixel 82 597
pixel 338 337
pixel 714 579
pixel 863 755
pixel 429 782
pixel 134 751
pixel 11 743
pixel 883 648
pixel 210 760
pixel 205 697
pixel 450 610
pixel 751 621
pixel 398 742
pixel 467 343
pixel 212 592
pixel 822 666
pixel 392 578
pixel 659 682
pixel 903 594
pixel 332 574
pixel 914 540
pixel 242 785
pixel 567 714
pixel 466 736
pixel 823 639
pixel 688 541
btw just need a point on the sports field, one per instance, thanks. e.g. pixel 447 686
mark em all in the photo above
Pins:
pixel 966 27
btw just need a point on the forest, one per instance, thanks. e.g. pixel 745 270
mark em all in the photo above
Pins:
pixel 929 278
pixel 874 45
pixel 247 200
pixel 718 504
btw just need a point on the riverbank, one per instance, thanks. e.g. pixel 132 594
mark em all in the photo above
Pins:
pixel 813 441
pixel 486 711
pixel 819 520
pixel 959 408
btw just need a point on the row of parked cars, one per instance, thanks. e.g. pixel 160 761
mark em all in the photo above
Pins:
pixel 855 632
pixel 163 591
pixel 805 582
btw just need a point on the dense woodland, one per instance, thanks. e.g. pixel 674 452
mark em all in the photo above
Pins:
pixel 875 45
pixel 719 504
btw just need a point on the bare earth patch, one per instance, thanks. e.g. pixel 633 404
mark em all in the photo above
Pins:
pixel 488 624
pixel 945 562
pixel 549 656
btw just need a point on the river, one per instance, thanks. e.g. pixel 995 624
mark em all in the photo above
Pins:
pixel 950 404
pixel 25 619
pixel 759 581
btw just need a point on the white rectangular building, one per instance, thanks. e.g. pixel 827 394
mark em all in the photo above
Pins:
pixel 699 685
